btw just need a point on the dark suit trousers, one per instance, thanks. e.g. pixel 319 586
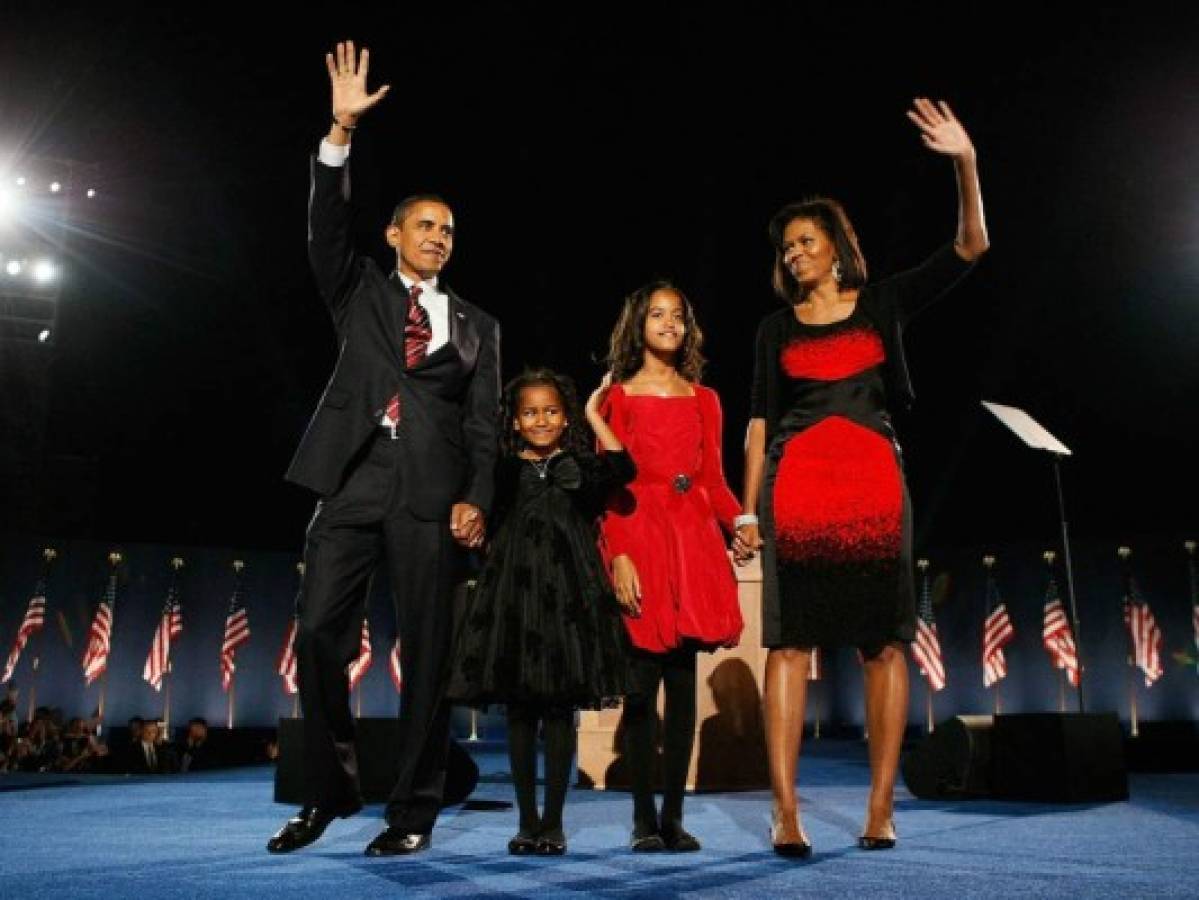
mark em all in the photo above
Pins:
pixel 365 523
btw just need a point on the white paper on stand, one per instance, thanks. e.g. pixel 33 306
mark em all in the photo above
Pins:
pixel 1027 428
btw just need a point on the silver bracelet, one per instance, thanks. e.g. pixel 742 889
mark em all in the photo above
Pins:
pixel 746 519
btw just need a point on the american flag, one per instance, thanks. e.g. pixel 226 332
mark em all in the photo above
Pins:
pixel 237 632
pixel 1057 636
pixel 397 673
pixel 1145 636
pixel 170 626
pixel 358 667
pixel 997 634
pixel 816 666
pixel 926 649
pixel 35 618
pixel 287 658
pixel 99 638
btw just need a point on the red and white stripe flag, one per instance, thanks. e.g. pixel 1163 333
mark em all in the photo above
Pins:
pixel 237 632
pixel 997 634
pixel 170 626
pixel 357 669
pixel 926 649
pixel 1057 635
pixel 99 637
pixel 397 673
pixel 286 666
pixel 1144 635
pixel 35 618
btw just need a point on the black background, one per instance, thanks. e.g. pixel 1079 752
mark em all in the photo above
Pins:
pixel 587 149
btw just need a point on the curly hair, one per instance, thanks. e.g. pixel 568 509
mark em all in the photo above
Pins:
pixel 831 218
pixel 575 437
pixel 626 347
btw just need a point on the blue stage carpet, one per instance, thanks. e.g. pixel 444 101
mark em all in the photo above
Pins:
pixel 203 835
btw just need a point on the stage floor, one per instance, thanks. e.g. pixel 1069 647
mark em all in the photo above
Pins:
pixel 204 835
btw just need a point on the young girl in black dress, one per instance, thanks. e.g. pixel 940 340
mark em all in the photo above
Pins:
pixel 543 632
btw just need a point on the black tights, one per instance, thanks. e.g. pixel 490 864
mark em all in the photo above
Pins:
pixel 675 670
pixel 559 727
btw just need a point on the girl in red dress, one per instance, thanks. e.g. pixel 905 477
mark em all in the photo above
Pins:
pixel 662 538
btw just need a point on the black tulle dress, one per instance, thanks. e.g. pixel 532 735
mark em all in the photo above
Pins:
pixel 543 626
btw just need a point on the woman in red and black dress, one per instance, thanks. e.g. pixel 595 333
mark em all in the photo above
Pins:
pixel 662 537
pixel 823 469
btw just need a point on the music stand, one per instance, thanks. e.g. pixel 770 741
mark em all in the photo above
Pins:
pixel 1034 435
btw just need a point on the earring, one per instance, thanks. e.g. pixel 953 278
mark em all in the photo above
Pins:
pixel 837 271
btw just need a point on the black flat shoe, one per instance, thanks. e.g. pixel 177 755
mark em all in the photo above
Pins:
pixel 646 842
pixel 678 840
pixel 394 842
pixel 306 826
pixel 551 843
pixel 522 844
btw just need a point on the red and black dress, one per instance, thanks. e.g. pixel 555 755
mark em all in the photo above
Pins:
pixel 836 520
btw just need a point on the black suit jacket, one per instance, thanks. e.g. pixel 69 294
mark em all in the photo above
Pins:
pixel 449 401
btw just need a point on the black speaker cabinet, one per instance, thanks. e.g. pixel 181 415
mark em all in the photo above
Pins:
pixel 954 762
pixel 376 740
pixel 1058 758
pixel 1040 757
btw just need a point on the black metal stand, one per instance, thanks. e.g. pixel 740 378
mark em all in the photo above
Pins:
pixel 1061 507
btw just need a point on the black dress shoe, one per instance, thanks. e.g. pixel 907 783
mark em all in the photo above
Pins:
pixel 646 842
pixel 551 842
pixel 876 843
pixel 394 842
pixel 523 843
pixel 679 840
pixel 799 849
pixel 308 825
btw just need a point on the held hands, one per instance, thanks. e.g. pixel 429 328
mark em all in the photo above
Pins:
pixel 348 80
pixel 747 540
pixel 940 129
pixel 626 585
pixel 467 525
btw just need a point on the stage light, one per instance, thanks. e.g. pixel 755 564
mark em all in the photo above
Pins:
pixel 91 192
pixel 55 187
pixel 13 267
pixel 44 270
pixel 44 335
pixel 10 202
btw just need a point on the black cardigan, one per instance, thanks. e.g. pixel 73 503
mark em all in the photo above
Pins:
pixel 888 304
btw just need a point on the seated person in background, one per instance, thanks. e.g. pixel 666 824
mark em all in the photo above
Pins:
pixel 153 755
pixel 81 751
pixel 194 750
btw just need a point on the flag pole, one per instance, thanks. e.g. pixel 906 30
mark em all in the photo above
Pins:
pixel 114 560
pixel 1125 553
pixel 358 691
pixel 33 688
pixel 49 554
pixel 176 564
pixel 1189 546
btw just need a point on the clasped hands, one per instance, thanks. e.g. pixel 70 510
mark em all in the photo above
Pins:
pixel 467 525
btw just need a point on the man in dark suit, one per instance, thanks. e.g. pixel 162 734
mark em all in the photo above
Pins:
pixel 401 450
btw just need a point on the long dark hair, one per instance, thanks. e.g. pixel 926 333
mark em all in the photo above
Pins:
pixel 830 217
pixel 576 436
pixel 626 347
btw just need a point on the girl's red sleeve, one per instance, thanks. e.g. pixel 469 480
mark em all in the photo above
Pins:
pixel 616 533
pixel 724 503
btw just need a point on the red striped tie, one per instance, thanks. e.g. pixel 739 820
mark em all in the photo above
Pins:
pixel 417 334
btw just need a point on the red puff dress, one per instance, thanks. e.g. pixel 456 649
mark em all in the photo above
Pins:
pixel 668 520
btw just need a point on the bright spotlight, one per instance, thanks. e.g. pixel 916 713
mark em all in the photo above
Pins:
pixel 20 181
pixel 91 192
pixel 10 201
pixel 44 270
pixel 13 267
pixel 55 187
pixel 44 335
